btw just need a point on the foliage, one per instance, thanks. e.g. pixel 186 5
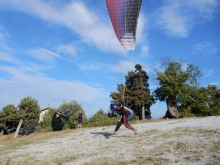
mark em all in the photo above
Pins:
pixel 46 124
pixel 177 82
pixel 30 110
pixel 10 113
pixel 102 119
pixel 213 102
pixel 199 102
pixel 112 114
pixel 71 122
pixel 2 123
pixel 186 112
pixel 70 110
pixel 203 101
pixel 140 98
pixel 9 118
pixel 135 93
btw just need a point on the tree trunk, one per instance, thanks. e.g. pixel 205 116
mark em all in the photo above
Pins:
pixel 19 127
pixel 143 112
pixel 2 131
pixel 172 109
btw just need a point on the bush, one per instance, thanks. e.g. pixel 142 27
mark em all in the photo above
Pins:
pixel 46 124
pixel 102 119
pixel 187 113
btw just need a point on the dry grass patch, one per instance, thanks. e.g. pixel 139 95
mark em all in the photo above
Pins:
pixel 105 161
pixel 150 161
pixel 15 145
pixel 66 159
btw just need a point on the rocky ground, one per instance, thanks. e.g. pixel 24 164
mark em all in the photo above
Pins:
pixel 177 141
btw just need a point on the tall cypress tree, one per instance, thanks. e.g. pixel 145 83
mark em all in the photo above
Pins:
pixel 139 94
pixel 135 93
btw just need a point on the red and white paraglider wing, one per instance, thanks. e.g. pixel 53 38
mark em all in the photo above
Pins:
pixel 124 17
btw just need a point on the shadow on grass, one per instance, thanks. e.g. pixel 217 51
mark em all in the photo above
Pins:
pixel 105 134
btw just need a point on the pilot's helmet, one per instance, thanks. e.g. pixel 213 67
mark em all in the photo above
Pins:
pixel 113 107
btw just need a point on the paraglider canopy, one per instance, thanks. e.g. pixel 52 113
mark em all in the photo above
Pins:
pixel 124 17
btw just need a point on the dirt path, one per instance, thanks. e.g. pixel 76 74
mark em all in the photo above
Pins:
pixel 179 141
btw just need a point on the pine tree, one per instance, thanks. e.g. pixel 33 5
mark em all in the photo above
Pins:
pixel 30 110
pixel 10 114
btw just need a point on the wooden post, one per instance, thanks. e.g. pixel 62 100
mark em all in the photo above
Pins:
pixel 19 127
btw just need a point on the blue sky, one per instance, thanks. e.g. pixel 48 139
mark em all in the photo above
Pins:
pixel 57 51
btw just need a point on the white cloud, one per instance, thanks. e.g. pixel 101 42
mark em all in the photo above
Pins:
pixel 206 48
pixel 208 73
pixel 211 83
pixel 172 21
pixel 141 28
pixel 67 49
pixel 7 58
pixel 74 15
pixel 144 51
pixel 3 34
pixel 48 90
pixel 205 8
pixel 92 65
pixel 3 37
pixel 123 66
pixel 141 35
pixel 177 17
pixel 43 54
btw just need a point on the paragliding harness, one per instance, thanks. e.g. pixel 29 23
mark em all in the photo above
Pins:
pixel 131 113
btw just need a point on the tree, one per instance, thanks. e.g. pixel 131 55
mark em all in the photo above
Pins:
pixel 202 101
pixel 71 111
pixel 135 93
pixel 196 101
pixel 102 119
pixel 30 109
pixel 120 96
pixel 112 114
pixel 175 83
pixel 213 103
pixel 2 123
pixel 10 114
pixel 139 94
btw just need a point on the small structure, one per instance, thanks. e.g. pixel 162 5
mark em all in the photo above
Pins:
pixel 43 112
